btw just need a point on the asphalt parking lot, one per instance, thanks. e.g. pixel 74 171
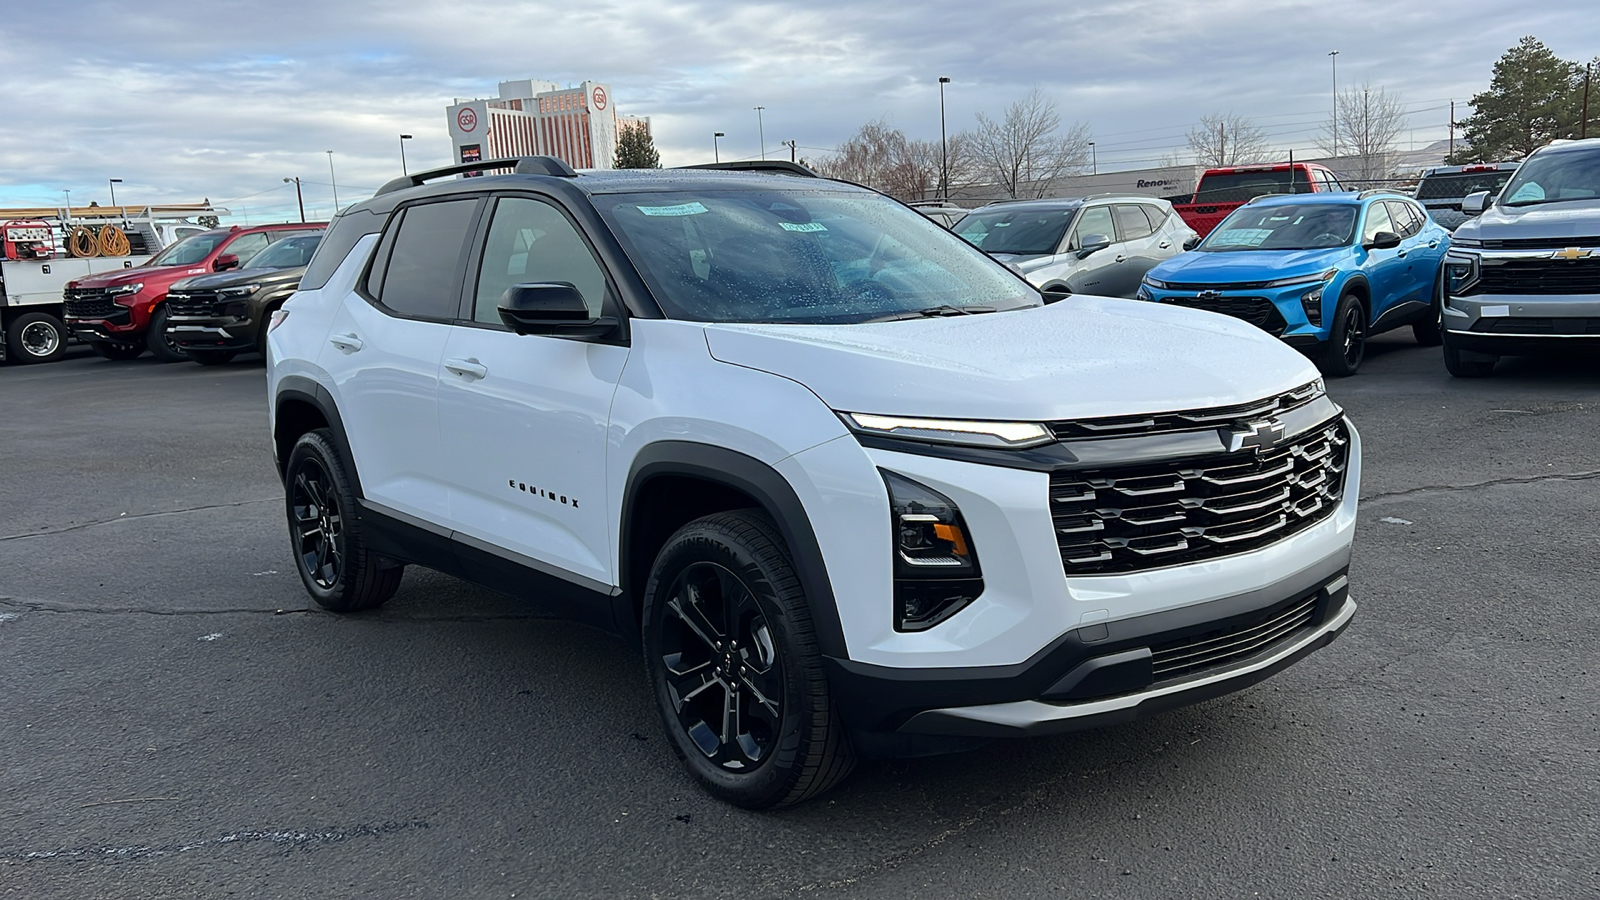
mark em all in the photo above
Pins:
pixel 176 722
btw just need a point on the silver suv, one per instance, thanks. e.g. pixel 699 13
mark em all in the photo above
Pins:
pixel 1524 276
pixel 1100 245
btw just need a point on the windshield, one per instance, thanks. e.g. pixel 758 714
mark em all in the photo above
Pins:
pixel 792 256
pixel 190 250
pixel 1555 177
pixel 1023 231
pixel 1292 226
pixel 288 253
pixel 1236 187
pixel 1459 184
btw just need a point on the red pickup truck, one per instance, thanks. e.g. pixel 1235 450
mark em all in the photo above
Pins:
pixel 1221 191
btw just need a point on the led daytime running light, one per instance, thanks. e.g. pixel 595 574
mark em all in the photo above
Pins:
pixel 952 431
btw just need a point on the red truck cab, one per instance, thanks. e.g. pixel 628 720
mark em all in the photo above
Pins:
pixel 123 313
pixel 1223 190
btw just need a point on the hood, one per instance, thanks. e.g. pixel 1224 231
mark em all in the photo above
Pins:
pixel 138 273
pixel 233 277
pixel 1246 265
pixel 1546 221
pixel 1079 358
pixel 1022 260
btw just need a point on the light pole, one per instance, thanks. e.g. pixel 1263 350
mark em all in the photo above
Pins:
pixel 762 131
pixel 1334 55
pixel 1094 160
pixel 297 196
pixel 716 154
pixel 403 139
pixel 335 182
pixel 944 148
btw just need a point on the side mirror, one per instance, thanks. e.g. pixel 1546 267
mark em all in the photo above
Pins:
pixel 1092 244
pixel 1055 293
pixel 225 262
pixel 1192 243
pixel 1384 240
pixel 554 308
pixel 1475 203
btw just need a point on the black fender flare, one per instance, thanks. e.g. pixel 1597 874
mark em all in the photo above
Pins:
pixel 301 389
pixel 776 497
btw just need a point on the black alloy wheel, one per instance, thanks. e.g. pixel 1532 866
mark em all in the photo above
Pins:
pixel 317 524
pixel 722 668
pixel 1347 340
pixel 161 345
pixel 330 550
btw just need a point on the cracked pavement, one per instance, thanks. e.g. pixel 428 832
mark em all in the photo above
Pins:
pixel 179 721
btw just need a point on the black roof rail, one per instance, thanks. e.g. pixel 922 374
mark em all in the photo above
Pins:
pixel 1373 192
pixel 521 165
pixel 775 166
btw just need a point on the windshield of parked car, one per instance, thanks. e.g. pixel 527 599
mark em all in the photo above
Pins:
pixel 1555 178
pixel 286 253
pixel 802 256
pixel 1456 185
pixel 1298 226
pixel 189 251
pixel 1018 230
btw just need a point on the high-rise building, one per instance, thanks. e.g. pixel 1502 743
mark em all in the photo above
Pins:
pixel 540 118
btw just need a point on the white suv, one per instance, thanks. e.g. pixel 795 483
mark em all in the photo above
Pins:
pixel 851 486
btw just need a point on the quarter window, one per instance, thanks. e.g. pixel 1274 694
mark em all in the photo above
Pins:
pixel 419 278
pixel 531 242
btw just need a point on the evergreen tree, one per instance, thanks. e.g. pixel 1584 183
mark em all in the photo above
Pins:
pixel 636 149
pixel 1533 98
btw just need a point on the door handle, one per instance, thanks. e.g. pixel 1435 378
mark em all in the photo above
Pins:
pixel 349 343
pixel 1165 245
pixel 1122 259
pixel 466 368
pixel 1401 255
pixel 1433 243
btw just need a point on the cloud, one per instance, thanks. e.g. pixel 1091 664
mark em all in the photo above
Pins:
pixel 224 99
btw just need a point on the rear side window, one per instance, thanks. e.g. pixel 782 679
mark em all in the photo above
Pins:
pixel 1132 223
pixel 1404 217
pixel 246 246
pixel 419 278
pixel 347 231
pixel 1156 215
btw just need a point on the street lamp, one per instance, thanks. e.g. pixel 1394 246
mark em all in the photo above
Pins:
pixel 298 197
pixel 403 139
pixel 1334 55
pixel 944 148
pixel 1094 160
pixel 716 154
pixel 335 182
pixel 762 131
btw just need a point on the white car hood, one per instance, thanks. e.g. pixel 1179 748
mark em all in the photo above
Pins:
pixel 1079 358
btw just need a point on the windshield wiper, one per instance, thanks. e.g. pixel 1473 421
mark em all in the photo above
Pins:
pixel 931 312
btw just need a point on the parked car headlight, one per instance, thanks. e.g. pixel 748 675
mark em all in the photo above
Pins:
pixel 1461 271
pixel 243 290
pixel 1323 278
pixel 1007 435
pixel 1156 283
pixel 935 564
pixel 123 290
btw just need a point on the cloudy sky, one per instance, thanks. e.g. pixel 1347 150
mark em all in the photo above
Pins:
pixel 224 99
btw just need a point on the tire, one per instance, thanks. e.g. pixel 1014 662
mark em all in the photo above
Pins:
pixel 722 602
pixel 120 352
pixel 35 337
pixel 1347 341
pixel 161 346
pixel 212 357
pixel 1429 331
pixel 261 330
pixel 1463 364
pixel 325 534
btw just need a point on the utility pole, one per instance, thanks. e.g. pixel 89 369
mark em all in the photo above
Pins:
pixel 1094 160
pixel 1334 55
pixel 790 145
pixel 762 131
pixel 1452 131
pixel 298 197
pixel 1583 130
pixel 716 153
pixel 944 147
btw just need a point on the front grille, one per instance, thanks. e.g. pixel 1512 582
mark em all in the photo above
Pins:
pixel 1133 518
pixel 89 303
pixel 1541 276
pixel 1187 420
pixel 1538 243
pixel 1530 325
pixel 1258 311
pixel 1232 643
pixel 193 304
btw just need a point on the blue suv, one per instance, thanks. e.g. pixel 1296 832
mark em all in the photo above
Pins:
pixel 1321 271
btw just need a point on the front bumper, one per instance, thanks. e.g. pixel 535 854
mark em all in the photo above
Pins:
pixel 1522 324
pixel 1277 311
pixel 212 332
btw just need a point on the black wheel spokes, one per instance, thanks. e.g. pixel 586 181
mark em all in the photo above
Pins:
pixel 1353 336
pixel 318 526
pixel 722 668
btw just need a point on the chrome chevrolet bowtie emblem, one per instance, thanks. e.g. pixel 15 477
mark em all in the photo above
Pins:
pixel 1209 295
pixel 1263 434
pixel 1571 254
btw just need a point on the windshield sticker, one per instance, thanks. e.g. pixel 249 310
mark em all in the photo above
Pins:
pixel 682 209
pixel 1244 237
pixel 803 226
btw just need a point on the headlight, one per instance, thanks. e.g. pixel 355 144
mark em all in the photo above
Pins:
pixel 935 565
pixel 1311 302
pixel 1324 278
pixel 1461 272
pixel 1156 283
pixel 243 290
pixel 121 289
pixel 1007 435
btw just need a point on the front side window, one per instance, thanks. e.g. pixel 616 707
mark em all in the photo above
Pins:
pixel 531 242
pixel 246 246
pixel 788 255
pixel 1095 220
pixel 189 251
pixel 419 278
pixel 1377 220
pixel 1018 230
pixel 1554 178
pixel 1289 226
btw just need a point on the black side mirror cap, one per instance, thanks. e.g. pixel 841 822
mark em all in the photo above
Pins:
pixel 1093 243
pixel 1383 240
pixel 552 308
pixel 1191 243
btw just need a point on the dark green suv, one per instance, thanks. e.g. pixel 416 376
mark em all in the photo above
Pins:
pixel 215 317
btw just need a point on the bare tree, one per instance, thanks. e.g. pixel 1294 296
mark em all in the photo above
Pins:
pixel 1027 149
pixel 882 157
pixel 1227 139
pixel 1367 123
